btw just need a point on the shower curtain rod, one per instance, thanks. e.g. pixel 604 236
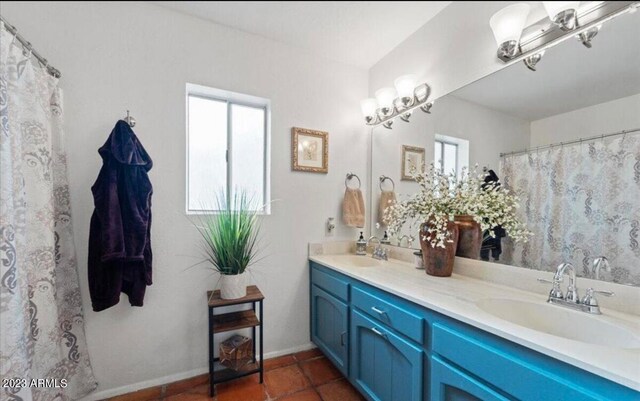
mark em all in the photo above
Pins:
pixel 553 145
pixel 27 45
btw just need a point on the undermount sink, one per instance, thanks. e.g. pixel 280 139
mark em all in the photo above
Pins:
pixel 355 260
pixel 560 322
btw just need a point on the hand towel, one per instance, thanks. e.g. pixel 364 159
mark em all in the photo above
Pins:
pixel 353 208
pixel 387 198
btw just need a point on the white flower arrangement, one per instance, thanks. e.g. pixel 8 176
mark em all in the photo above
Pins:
pixel 443 196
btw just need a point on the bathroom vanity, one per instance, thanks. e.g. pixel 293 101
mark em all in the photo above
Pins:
pixel 398 334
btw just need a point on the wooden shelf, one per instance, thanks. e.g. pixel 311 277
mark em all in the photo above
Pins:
pixel 235 321
pixel 223 373
pixel 253 295
pixel 225 322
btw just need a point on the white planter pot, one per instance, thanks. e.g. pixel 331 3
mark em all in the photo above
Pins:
pixel 233 287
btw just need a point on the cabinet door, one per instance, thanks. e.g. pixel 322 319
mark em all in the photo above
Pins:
pixel 449 384
pixel 329 325
pixel 384 366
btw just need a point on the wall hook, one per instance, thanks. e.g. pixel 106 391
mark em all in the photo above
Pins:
pixel 130 120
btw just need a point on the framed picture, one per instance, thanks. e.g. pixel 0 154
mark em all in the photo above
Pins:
pixel 412 157
pixel 309 150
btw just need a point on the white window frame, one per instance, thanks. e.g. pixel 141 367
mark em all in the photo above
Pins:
pixel 231 98
pixel 462 151
pixel 444 142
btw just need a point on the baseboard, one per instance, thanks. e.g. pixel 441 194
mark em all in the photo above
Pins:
pixel 129 388
pixel 293 350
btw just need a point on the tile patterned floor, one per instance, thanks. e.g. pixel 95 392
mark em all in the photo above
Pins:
pixel 304 376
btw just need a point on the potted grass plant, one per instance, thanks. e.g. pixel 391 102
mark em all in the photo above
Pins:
pixel 229 238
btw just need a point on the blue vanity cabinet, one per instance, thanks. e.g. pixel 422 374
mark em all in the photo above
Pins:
pixel 450 384
pixel 329 327
pixel 384 366
pixel 394 350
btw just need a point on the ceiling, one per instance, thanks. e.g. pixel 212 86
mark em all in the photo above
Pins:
pixel 569 76
pixel 354 32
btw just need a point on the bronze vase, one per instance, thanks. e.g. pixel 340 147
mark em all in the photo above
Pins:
pixel 439 261
pixel 470 237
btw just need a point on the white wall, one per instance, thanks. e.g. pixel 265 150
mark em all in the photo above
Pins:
pixel 137 56
pixel 616 115
pixel 452 50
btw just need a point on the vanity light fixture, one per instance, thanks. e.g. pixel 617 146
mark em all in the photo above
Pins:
pixel 563 13
pixel 405 85
pixel 507 25
pixel 390 103
pixel 532 60
pixel 427 107
pixel 385 98
pixel 586 36
pixel 369 108
pixel 528 43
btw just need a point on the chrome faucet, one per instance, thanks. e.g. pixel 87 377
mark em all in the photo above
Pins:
pixel 599 263
pixel 409 238
pixel 401 238
pixel 572 290
pixel 588 304
pixel 378 252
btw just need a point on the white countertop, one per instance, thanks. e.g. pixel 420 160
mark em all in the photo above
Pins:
pixel 456 297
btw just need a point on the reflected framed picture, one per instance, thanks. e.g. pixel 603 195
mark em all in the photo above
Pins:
pixel 309 150
pixel 412 157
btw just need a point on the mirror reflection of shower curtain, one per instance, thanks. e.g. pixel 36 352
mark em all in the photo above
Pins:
pixel 581 201
pixel 41 319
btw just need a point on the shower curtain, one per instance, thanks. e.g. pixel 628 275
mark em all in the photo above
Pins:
pixel 581 202
pixel 41 319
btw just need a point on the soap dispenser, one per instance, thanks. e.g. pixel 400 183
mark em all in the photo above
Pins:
pixel 361 245
pixel 385 240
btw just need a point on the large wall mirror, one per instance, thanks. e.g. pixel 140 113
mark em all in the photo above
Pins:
pixel 565 138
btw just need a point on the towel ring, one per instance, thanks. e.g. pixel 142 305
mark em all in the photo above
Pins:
pixel 351 176
pixel 383 178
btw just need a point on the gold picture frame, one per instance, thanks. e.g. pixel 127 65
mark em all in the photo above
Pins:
pixel 411 156
pixel 309 150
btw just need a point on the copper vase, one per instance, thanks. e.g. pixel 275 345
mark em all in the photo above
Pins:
pixel 439 261
pixel 470 237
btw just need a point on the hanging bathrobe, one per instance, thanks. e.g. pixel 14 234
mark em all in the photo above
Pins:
pixel 119 239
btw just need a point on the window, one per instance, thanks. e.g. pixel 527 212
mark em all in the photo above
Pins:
pixel 451 154
pixel 227 147
pixel 446 156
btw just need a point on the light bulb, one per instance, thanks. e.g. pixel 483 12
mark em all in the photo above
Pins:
pixel 369 107
pixel 405 85
pixel 508 23
pixel 385 97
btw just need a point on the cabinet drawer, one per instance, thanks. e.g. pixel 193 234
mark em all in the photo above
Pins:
pixel 514 375
pixel 397 318
pixel 331 284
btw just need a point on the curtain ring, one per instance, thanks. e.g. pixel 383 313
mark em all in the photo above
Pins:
pixel 30 48
pixel 15 35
